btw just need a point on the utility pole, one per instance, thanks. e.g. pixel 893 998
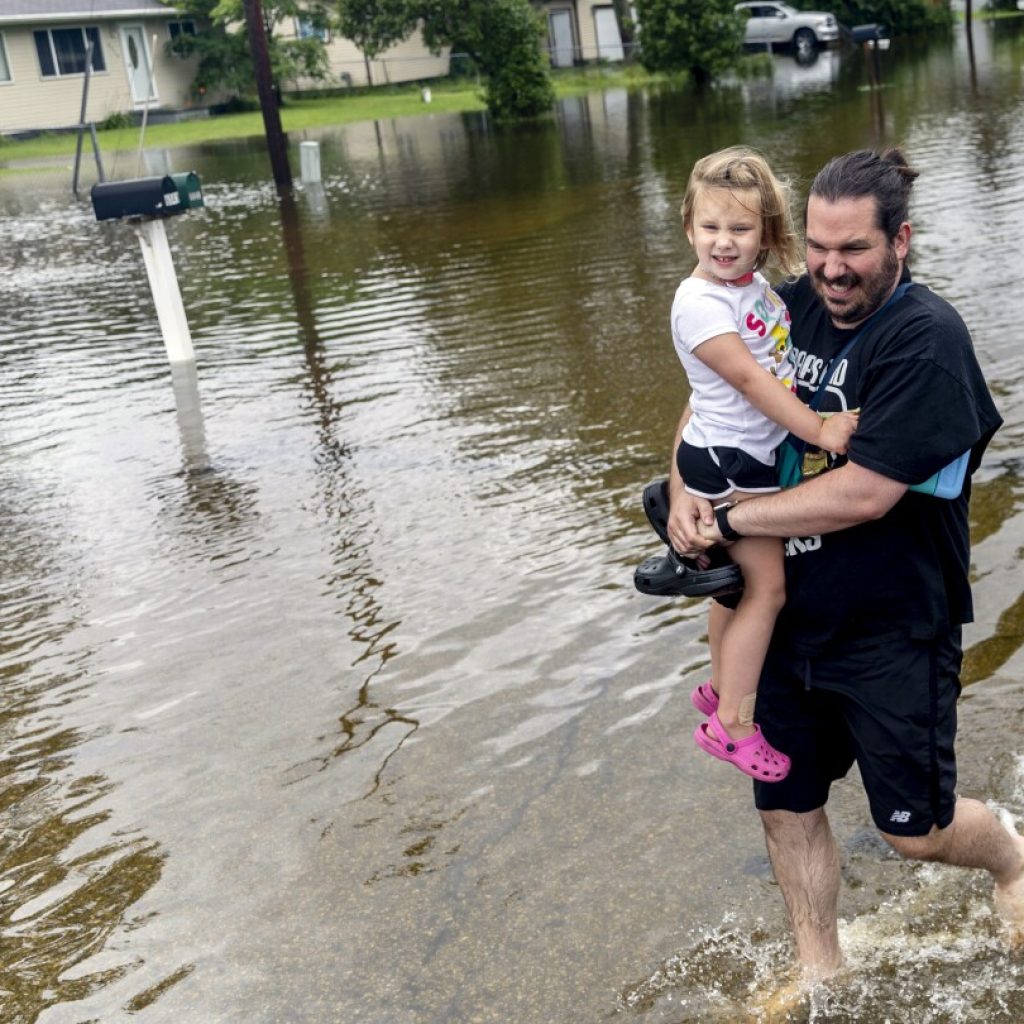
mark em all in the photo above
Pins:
pixel 277 145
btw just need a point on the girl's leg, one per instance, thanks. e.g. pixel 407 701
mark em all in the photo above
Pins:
pixel 747 631
pixel 718 617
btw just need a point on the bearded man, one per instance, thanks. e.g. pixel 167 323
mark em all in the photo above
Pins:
pixel 865 658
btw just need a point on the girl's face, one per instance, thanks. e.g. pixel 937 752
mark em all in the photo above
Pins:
pixel 726 232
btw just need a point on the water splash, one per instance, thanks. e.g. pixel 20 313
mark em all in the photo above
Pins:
pixel 936 947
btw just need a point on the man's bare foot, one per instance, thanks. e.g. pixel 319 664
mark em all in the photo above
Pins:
pixel 774 1001
pixel 1009 903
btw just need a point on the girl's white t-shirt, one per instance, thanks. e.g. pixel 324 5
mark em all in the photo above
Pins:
pixel 703 310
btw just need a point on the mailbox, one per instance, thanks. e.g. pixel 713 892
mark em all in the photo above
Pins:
pixel 190 190
pixel 871 33
pixel 138 197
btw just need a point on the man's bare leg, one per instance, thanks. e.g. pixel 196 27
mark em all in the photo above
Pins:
pixel 976 839
pixel 805 860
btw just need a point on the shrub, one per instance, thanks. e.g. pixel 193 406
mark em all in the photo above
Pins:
pixel 116 121
pixel 677 35
pixel 900 17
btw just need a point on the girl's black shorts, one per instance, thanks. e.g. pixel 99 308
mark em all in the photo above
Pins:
pixel 716 472
pixel 888 703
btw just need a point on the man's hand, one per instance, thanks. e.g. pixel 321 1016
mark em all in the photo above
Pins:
pixel 688 516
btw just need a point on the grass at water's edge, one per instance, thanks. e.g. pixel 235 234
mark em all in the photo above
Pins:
pixel 299 113
pixel 296 115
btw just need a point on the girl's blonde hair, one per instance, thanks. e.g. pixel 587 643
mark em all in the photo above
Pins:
pixel 739 168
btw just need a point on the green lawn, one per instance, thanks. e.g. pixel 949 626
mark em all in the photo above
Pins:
pixel 296 115
pixel 312 112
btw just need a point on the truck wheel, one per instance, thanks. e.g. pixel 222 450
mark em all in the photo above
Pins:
pixel 805 41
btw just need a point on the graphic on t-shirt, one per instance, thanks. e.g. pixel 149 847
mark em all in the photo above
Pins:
pixel 772 308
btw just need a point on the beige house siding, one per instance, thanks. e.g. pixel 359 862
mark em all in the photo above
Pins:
pixel 32 101
pixel 408 61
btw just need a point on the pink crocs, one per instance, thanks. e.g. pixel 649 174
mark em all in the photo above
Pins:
pixel 754 755
pixel 704 698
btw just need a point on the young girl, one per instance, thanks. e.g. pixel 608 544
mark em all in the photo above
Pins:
pixel 731 332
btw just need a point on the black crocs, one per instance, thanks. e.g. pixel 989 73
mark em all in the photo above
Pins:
pixel 671 574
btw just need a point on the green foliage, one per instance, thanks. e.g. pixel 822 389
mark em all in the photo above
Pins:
pixel 501 36
pixel 117 120
pixel 222 49
pixel 503 39
pixel 627 26
pixel 374 25
pixel 702 38
pixel 900 17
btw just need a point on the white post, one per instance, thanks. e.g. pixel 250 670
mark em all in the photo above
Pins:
pixel 309 162
pixel 190 416
pixel 163 283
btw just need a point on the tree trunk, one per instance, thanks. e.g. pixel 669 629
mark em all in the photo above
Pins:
pixel 277 145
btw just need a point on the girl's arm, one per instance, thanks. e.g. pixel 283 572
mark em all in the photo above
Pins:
pixel 727 356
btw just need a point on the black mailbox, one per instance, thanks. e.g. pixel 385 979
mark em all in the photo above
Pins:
pixel 868 33
pixel 137 197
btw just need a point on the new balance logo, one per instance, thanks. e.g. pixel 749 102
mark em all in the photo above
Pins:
pixel 901 816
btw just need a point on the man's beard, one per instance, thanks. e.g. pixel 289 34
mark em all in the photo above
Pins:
pixel 874 289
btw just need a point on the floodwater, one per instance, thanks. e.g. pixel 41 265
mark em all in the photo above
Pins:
pixel 326 694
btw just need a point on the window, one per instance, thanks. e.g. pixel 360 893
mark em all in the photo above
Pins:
pixel 304 29
pixel 61 51
pixel 180 28
pixel 5 67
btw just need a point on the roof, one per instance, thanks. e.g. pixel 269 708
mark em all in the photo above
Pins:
pixel 51 11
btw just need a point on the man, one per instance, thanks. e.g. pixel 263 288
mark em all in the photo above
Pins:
pixel 865 657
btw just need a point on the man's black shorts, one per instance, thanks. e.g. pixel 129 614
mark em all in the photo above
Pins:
pixel 716 472
pixel 888 703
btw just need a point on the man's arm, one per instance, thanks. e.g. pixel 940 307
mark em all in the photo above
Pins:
pixel 833 501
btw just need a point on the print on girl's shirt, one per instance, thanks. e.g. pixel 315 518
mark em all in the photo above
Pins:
pixel 774 312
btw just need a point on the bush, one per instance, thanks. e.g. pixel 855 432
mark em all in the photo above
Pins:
pixel 900 17
pixel 703 38
pixel 518 83
pixel 236 105
pixel 503 39
pixel 116 121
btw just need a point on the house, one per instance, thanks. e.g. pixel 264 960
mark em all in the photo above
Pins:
pixel 43 46
pixel 407 61
pixel 581 31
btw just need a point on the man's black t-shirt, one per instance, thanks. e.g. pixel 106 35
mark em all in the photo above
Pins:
pixel 923 401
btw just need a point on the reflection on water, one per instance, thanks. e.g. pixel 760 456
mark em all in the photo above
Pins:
pixel 324 682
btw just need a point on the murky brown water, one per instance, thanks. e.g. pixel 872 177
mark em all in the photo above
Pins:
pixel 326 695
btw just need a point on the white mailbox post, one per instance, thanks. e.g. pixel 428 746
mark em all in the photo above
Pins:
pixel 146 203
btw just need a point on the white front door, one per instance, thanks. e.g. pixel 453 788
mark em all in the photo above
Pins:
pixel 137 63
pixel 563 50
pixel 609 42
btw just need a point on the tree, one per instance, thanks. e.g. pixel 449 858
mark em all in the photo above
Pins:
pixel 900 17
pixel 503 38
pixel 627 27
pixel 223 49
pixel 374 25
pixel 704 37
